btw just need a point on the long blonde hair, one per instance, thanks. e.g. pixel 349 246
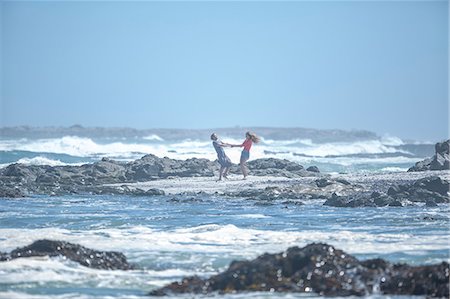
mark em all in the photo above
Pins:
pixel 253 137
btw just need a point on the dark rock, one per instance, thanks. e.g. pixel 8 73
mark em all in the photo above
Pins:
pixel 430 280
pixel 321 269
pixel 343 182
pixel 375 199
pixel 336 201
pixel 108 260
pixel 269 163
pixel 434 184
pixel 276 167
pixel 375 194
pixel 429 188
pixel 440 161
pixel 435 218
pixel 4 256
pixel 442 147
pixel 321 183
pixel 154 191
pixel 267 194
pixel 395 203
pixel 313 169
pixel 11 192
pixel 431 203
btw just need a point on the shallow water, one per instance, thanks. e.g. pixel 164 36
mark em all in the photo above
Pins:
pixel 169 237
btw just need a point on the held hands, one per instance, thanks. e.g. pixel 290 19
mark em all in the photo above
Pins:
pixel 230 145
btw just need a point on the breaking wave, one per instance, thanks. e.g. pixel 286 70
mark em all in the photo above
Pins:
pixel 387 151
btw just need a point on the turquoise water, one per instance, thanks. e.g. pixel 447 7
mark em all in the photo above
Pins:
pixel 169 237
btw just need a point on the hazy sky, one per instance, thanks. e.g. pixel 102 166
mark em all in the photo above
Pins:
pixel 380 66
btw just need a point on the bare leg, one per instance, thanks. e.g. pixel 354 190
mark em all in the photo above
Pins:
pixel 244 168
pixel 225 172
pixel 220 173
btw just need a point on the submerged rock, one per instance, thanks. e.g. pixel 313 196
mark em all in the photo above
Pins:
pixel 322 269
pixel 107 260
pixel 440 160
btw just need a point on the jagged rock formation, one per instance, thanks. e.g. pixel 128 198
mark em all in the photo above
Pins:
pixel 440 160
pixel 322 269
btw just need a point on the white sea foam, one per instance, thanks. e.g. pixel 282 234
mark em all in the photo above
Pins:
pixel 39 160
pixel 391 140
pixel 394 169
pixel 224 239
pixel 153 137
pixel 80 147
pixel 298 150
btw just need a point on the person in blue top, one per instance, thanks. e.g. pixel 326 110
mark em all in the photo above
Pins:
pixel 224 161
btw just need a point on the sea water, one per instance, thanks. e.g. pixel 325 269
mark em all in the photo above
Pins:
pixel 376 155
pixel 169 237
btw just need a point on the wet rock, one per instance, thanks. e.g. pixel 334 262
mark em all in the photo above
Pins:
pixel 433 184
pixel 431 280
pixel 313 169
pixel 267 194
pixel 343 182
pixel 23 173
pixel 336 201
pixel 435 218
pixel 3 256
pixel 11 192
pixel 154 191
pixel 440 161
pixel 107 260
pixel 429 188
pixel 321 269
pixel 431 203
pixel 321 183
pixel 375 199
pixel 277 167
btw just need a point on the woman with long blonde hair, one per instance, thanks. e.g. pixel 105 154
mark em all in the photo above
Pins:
pixel 250 138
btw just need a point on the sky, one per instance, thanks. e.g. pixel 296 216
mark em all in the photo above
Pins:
pixel 374 65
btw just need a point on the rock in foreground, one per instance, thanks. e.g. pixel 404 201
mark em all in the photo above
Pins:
pixel 440 160
pixel 106 260
pixel 322 269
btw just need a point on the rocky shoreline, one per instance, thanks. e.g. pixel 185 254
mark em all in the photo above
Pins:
pixel 271 179
pixel 18 180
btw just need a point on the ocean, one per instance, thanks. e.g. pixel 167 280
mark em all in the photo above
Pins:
pixel 372 155
pixel 169 237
